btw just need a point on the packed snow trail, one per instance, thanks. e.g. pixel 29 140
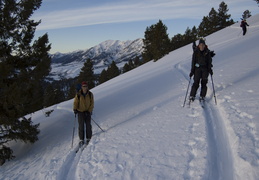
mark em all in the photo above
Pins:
pixel 219 150
pixel 68 167
pixel 220 162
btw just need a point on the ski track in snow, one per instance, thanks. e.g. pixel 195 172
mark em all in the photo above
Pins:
pixel 68 167
pixel 219 151
pixel 219 160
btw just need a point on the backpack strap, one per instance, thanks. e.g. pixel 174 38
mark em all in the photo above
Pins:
pixel 90 94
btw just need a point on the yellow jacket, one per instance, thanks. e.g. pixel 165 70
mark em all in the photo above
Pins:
pixel 84 103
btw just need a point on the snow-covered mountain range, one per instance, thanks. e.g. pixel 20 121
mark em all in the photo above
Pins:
pixel 69 65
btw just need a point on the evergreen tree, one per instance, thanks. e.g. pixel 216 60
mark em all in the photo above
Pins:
pixel 137 62
pixel 58 94
pixel 87 74
pixel 48 96
pixel 103 77
pixel 23 66
pixel 189 36
pixel 72 91
pixel 113 71
pixel 131 64
pixel 177 41
pixel 194 33
pixel 209 23
pixel 223 17
pixel 53 95
pixel 156 42
pixel 126 68
pixel 202 29
pixel 246 14
pixel 215 21
pixel 148 43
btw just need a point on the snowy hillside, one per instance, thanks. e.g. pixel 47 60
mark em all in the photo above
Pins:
pixel 148 134
pixel 69 65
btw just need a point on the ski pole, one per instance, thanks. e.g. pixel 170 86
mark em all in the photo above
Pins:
pixel 97 125
pixel 186 92
pixel 213 89
pixel 73 132
pixel 240 32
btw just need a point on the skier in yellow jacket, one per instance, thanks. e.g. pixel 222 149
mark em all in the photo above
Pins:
pixel 83 106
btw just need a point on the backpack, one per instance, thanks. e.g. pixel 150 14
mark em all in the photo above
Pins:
pixel 90 94
pixel 242 24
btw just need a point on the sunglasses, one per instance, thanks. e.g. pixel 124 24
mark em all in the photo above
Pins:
pixel 84 86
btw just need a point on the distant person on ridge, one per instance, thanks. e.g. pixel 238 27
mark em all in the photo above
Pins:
pixel 201 68
pixel 243 25
pixel 83 106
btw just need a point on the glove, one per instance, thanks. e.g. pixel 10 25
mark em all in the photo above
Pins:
pixel 212 53
pixel 191 74
pixel 211 72
pixel 75 111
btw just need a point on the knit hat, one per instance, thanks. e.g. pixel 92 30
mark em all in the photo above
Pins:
pixel 84 83
pixel 202 42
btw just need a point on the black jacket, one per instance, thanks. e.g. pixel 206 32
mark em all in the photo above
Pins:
pixel 243 24
pixel 201 59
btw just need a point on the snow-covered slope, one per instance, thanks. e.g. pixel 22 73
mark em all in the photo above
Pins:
pixel 69 65
pixel 148 134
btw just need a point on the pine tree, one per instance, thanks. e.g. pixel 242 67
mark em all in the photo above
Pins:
pixel 215 21
pixel 189 36
pixel 48 96
pixel 87 74
pixel 131 64
pixel 103 77
pixel 53 95
pixel 194 33
pixel 148 43
pixel 156 42
pixel 137 62
pixel 223 17
pixel 209 23
pixel 202 29
pixel 72 91
pixel 177 41
pixel 113 71
pixel 23 66
pixel 126 68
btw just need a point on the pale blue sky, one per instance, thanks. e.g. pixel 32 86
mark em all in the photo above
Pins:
pixel 81 24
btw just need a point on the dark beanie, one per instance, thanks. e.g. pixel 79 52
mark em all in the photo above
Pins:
pixel 202 42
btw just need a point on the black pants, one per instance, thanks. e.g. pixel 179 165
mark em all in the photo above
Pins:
pixel 84 123
pixel 200 76
pixel 244 31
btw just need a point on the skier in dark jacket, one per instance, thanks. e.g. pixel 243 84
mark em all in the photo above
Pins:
pixel 201 68
pixel 243 25
pixel 83 106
